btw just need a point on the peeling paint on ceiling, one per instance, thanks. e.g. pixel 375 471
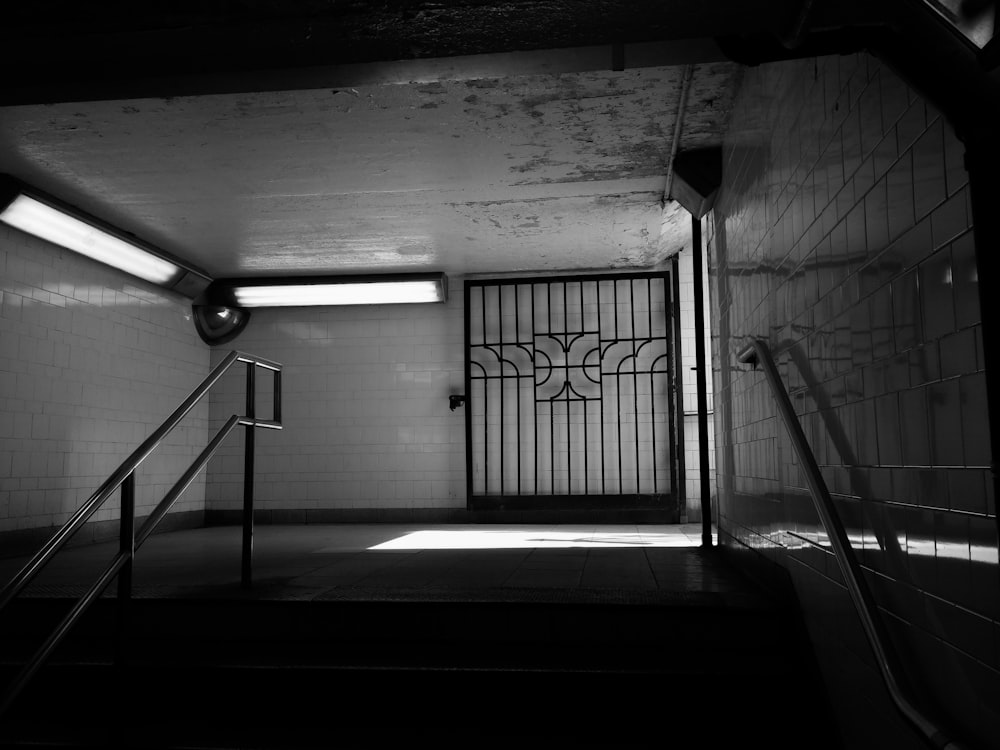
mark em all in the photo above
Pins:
pixel 521 173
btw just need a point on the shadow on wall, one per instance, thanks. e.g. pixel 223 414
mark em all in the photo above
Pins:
pixel 888 557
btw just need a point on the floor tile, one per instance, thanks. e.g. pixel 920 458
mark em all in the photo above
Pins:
pixel 305 560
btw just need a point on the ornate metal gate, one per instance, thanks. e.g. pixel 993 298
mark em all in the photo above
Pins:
pixel 570 393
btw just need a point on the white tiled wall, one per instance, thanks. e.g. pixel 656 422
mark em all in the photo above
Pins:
pixel 843 237
pixel 365 409
pixel 91 362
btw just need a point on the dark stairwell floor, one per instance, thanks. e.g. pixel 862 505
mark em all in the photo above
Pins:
pixel 366 561
pixel 450 636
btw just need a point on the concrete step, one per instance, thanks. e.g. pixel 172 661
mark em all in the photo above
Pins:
pixel 297 707
pixel 523 634
pixel 224 673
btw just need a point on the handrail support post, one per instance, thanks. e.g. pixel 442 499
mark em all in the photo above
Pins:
pixel 277 397
pixel 126 548
pixel 126 536
pixel 246 574
pixel 129 540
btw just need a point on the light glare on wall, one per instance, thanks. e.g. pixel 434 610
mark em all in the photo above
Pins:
pixel 399 290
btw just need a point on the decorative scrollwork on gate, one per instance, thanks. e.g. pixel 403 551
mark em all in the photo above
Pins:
pixel 570 386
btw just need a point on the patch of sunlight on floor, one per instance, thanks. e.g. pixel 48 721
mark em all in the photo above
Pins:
pixel 531 539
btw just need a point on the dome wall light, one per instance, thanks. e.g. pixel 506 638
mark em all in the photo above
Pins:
pixel 303 291
pixel 37 213
pixel 217 317
pixel 217 324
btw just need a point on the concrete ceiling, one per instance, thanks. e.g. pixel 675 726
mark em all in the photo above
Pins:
pixel 519 173
pixel 391 136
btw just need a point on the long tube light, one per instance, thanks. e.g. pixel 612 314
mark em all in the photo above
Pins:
pixel 49 219
pixel 341 290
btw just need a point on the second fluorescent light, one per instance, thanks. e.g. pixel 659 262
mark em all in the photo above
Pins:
pixel 387 290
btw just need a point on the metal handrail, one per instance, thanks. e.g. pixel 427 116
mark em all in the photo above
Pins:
pixel 85 511
pixel 757 352
pixel 130 539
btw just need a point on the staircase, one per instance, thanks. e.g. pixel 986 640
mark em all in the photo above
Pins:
pixel 487 668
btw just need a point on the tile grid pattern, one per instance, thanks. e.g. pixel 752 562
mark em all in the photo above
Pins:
pixel 365 393
pixel 91 362
pixel 844 239
pixel 364 404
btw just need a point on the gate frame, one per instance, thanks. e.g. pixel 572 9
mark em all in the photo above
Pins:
pixel 591 503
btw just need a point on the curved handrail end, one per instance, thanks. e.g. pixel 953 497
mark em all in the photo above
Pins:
pixel 748 355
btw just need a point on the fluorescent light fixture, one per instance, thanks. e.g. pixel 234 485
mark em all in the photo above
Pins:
pixel 344 290
pixel 34 217
pixel 45 217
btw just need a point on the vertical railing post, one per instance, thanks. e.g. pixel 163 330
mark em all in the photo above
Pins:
pixel 246 577
pixel 126 547
pixel 126 536
pixel 277 396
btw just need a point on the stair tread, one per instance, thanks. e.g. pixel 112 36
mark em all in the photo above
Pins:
pixel 281 592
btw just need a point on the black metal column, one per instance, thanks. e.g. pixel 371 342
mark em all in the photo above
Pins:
pixel 246 576
pixel 701 383
pixel 469 397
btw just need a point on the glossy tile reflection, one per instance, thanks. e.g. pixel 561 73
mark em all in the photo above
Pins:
pixel 854 257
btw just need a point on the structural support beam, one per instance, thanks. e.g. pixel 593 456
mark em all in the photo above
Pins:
pixel 97 52
pixel 128 84
pixel 697 175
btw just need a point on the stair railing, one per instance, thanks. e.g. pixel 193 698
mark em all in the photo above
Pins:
pixel 129 539
pixel 757 352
